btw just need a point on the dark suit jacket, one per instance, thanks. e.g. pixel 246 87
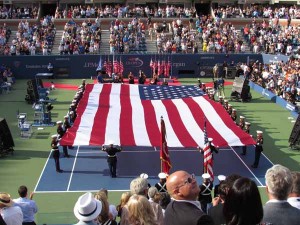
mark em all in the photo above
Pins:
pixel 185 213
pixel 216 213
pixel 281 213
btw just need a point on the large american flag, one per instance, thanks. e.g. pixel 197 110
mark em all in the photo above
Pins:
pixel 130 115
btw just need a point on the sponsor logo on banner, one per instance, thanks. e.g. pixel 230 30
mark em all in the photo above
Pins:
pixel 90 65
pixel 176 65
pixel 134 62
pixel 290 107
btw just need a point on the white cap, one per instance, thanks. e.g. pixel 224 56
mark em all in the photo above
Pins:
pixel 221 97
pixel 54 136
pixel 144 175
pixel 210 139
pixel 205 176
pixel 229 105
pixel 247 123
pixel 259 132
pixel 59 122
pixel 221 177
pixel 233 109
pixel 162 175
pixel 111 142
pixel 225 100
pixel 66 117
pixel 242 117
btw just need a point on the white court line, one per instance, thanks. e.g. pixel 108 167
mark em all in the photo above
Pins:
pixel 88 152
pixel 247 167
pixel 37 184
pixel 267 158
pixel 82 191
pixel 74 163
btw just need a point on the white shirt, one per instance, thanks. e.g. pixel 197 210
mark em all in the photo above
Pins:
pixel 12 215
pixel 294 201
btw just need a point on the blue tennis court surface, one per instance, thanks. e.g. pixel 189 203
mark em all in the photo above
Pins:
pixel 87 169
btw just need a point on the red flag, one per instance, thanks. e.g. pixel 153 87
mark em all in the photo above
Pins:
pixel 208 160
pixel 121 67
pixel 164 152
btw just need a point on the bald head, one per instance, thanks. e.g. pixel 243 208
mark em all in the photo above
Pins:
pixel 182 186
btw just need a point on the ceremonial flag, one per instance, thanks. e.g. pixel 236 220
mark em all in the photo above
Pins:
pixel 208 158
pixel 164 152
pixel 121 66
pixel 100 66
pixel 130 115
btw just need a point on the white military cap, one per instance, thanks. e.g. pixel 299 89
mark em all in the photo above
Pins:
pixel 54 136
pixel 247 123
pixel 242 117
pixel 59 122
pixel 162 175
pixel 210 139
pixel 205 176
pixel 259 132
pixel 221 177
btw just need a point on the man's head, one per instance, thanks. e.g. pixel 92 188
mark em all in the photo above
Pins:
pixel 139 186
pixel 278 182
pixel 183 186
pixel 22 191
pixel 295 192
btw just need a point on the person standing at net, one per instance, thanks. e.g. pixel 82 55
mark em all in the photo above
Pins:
pixel 112 158
pixel 258 148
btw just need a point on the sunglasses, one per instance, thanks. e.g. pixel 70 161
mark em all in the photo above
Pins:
pixel 189 180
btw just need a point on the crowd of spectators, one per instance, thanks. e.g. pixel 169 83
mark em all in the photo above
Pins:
pixel 258 11
pixel 33 39
pixel 82 38
pixel 18 12
pixel 126 11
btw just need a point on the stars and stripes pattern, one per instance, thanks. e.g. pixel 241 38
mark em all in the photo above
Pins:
pixel 130 115
pixel 207 154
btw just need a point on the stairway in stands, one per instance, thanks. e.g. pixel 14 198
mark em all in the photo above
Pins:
pixel 104 45
pixel 56 43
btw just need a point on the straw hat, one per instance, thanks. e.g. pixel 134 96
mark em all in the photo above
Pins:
pixel 5 199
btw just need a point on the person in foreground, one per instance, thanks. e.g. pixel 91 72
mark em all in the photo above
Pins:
pixel 243 203
pixel 87 209
pixel 184 209
pixel 277 210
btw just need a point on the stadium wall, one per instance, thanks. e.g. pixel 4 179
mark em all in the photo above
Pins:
pixel 84 66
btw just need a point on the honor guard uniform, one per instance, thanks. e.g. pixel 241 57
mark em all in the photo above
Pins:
pixel 205 192
pixel 258 148
pixel 225 104
pixel 112 158
pixel 161 185
pixel 55 152
pixel 242 122
pixel 221 101
pixel 61 131
pixel 145 176
pixel 247 130
pixel 229 110
pixel 211 95
pixel 66 126
pixel 233 115
pixel 221 178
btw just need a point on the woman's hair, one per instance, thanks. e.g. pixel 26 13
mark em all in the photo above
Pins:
pixel 242 197
pixel 104 215
pixel 140 211
pixel 154 194
pixel 124 199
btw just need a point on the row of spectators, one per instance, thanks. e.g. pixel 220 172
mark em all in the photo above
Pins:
pixel 258 11
pixel 125 11
pixel 18 12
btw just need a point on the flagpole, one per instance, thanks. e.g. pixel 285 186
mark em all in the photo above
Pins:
pixel 161 162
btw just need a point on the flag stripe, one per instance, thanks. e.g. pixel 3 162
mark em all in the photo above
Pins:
pixel 126 119
pixel 138 118
pixel 160 110
pixel 151 123
pixel 98 133
pixel 198 115
pixel 71 134
pixel 112 131
pixel 177 124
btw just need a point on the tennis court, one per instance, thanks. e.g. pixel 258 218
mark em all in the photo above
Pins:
pixel 87 169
